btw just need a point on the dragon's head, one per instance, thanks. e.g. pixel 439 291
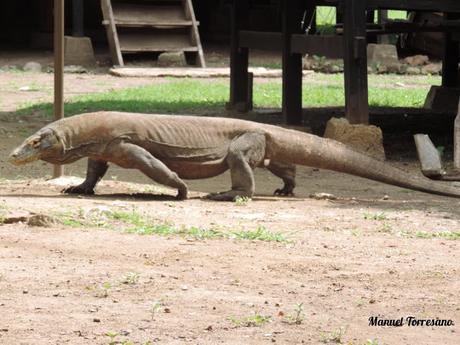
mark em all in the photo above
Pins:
pixel 41 145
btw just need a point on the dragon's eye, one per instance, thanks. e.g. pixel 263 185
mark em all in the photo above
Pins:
pixel 35 143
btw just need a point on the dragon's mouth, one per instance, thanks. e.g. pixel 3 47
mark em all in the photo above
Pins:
pixel 17 158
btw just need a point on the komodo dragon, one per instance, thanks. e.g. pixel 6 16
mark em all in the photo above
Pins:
pixel 171 148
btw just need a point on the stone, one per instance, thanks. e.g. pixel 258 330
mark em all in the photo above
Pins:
pixel 78 51
pixel 33 67
pixel 442 98
pixel 417 60
pixel 361 138
pixel 381 54
pixel 413 70
pixel 432 68
pixel 172 59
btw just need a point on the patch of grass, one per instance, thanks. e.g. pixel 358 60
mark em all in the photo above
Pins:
pixel 260 234
pixel 255 320
pixel 448 235
pixel 197 97
pixel 375 216
pixel 135 223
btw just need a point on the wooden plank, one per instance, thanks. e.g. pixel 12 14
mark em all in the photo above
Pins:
pixel 190 13
pixel 59 27
pixel 355 62
pixel 261 40
pixel 292 63
pixel 329 46
pixel 420 5
pixel 112 35
pixel 135 15
pixel 135 42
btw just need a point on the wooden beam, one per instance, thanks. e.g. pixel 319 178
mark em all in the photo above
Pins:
pixel 292 62
pixel 355 62
pixel 329 46
pixel 58 69
pixel 420 5
pixel 261 40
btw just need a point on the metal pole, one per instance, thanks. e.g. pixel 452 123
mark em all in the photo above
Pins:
pixel 58 69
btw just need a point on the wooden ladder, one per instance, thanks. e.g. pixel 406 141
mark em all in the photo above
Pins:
pixel 151 26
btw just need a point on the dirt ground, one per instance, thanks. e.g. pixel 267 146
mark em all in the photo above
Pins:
pixel 375 250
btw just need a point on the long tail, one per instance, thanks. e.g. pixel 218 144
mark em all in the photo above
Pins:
pixel 310 150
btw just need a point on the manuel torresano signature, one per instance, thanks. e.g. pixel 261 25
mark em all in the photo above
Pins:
pixel 409 321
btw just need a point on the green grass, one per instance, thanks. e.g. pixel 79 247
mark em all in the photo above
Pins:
pixel 135 223
pixel 200 97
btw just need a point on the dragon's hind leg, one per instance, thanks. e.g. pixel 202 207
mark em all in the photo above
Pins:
pixel 287 173
pixel 244 154
pixel 96 170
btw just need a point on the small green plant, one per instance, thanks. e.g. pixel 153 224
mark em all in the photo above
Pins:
pixel 372 342
pixel 241 200
pixel 255 320
pixel 298 316
pixel 131 278
pixel 155 308
pixel 103 290
pixel 112 336
pixel 260 234
pixel 334 336
pixel 375 216
pixel 386 228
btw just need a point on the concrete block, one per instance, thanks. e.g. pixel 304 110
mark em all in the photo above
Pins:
pixel 384 54
pixel 78 51
pixel 443 98
pixel 362 138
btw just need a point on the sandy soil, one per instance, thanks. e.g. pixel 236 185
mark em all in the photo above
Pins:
pixel 374 251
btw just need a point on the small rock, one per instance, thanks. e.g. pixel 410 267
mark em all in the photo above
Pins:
pixel 413 71
pixel 184 287
pixel 417 60
pixel 41 220
pixel 33 67
pixel 75 69
pixel 96 320
pixel 432 68
pixel 167 310
pixel 323 196
pixel 209 328
pixel 172 59
pixel 25 291
pixel 385 197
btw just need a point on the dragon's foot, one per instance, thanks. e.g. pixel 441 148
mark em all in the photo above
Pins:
pixel 182 194
pixel 80 189
pixel 285 191
pixel 230 195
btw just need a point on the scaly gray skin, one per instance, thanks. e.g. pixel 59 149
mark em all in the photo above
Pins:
pixel 171 148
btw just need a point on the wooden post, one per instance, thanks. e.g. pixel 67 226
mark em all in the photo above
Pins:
pixel 355 61
pixel 58 69
pixel 292 63
pixel 451 57
pixel 239 58
pixel 78 18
